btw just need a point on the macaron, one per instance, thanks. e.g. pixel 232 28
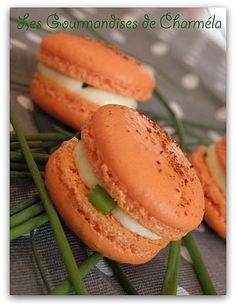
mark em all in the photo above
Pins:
pixel 210 165
pixel 76 75
pixel 158 195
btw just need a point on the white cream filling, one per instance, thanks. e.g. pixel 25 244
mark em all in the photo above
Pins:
pixel 95 95
pixel 89 178
pixel 215 167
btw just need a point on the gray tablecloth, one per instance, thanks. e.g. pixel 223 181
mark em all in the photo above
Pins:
pixel 190 70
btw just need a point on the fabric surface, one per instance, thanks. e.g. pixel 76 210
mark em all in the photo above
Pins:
pixel 191 71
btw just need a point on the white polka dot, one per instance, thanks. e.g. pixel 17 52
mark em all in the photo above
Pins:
pixel 190 81
pixel 220 86
pixel 150 69
pixel 11 128
pixel 104 268
pixel 190 60
pixel 214 136
pixel 181 291
pixel 220 114
pixel 164 34
pixel 177 109
pixel 47 28
pixel 128 17
pixel 159 48
pixel 25 102
pixel 118 36
pixel 78 14
pixel 169 129
pixel 201 228
pixel 33 37
pixel 18 44
pixel 185 254
pixel 90 10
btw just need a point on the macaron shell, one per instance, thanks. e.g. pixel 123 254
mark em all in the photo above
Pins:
pixel 215 202
pixel 69 108
pixel 147 166
pixel 97 64
pixel 221 152
pixel 101 233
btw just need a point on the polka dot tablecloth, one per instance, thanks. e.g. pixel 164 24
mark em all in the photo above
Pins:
pixel 190 69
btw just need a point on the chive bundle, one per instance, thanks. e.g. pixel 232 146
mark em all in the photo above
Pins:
pixel 60 236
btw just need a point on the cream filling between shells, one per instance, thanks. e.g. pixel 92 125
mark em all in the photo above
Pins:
pixel 95 95
pixel 215 167
pixel 89 178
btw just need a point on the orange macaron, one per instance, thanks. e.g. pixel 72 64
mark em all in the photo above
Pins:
pixel 210 165
pixel 77 74
pixel 158 195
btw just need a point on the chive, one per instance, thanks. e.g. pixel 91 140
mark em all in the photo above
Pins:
pixel 187 122
pixel 85 267
pixel 21 84
pixel 170 283
pixel 37 144
pixel 63 131
pixel 176 120
pixel 84 85
pixel 19 156
pixel 42 136
pixel 101 199
pixel 16 232
pixel 199 266
pixel 199 142
pixel 19 166
pixel 23 205
pixel 38 261
pixel 122 278
pixel 22 174
pixel 59 233
pixel 26 214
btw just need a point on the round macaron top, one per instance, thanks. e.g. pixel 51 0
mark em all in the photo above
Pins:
pixel 97 63
pixel 149 165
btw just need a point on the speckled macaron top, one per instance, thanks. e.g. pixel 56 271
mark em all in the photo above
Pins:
pixel 142 167
pixel 98 64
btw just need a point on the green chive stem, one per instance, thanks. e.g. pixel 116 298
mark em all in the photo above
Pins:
pixel 16 232
pixel 22 174
pixel 170 282
pixel 176 120
pixel 101 199
pixel 85 267
pixel 42 136
pixel 21 84
pixel 199 266
pixel 24 204
pixel 187 122
pixel 19 156
pixel 38 261
pixel 122 278
pixel 37 144
pixel 63 131
pixel 26 214
pixel 20 166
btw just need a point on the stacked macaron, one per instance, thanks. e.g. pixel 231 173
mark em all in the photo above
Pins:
pixel 210 164
pixel 76 75
pixel 156 194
